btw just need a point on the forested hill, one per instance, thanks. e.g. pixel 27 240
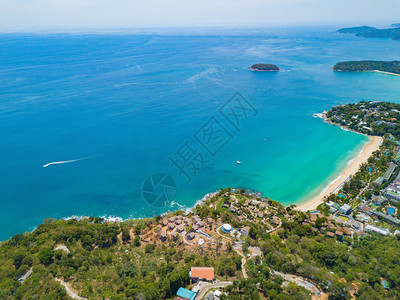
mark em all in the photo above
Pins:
pixel 368 65
pixel 135 259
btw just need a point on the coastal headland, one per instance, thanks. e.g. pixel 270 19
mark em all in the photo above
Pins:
pixel 386 67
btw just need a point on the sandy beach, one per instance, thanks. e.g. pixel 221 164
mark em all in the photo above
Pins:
pixel 389 73
pixel 351 169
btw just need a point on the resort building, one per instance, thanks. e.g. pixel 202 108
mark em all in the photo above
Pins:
pixel 226 228
pixel 372 228
pixel 339 234
pixel 196 289
pixel 275 220
pixel 197 273
pixel 333 207
pixel 387 175
pixel 345 209
pixel 245 231
pixel 186 294
pixel 163 236
pixel 330 234
pixel 397 157
pixel 385 217
pixel 393 197
pixel 25 276
pixel 379 200
pixel 191 236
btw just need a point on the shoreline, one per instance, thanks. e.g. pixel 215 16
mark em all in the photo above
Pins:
pixel 353 166
pixel 377 71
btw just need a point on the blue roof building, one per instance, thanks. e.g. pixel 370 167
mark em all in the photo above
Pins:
pixel 184 293
pixel 385 284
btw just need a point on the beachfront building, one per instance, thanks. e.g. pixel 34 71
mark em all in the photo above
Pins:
pixel 333 207
pixel 197 273
pixel 385 176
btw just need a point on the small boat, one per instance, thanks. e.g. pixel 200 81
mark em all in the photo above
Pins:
pixel 238 162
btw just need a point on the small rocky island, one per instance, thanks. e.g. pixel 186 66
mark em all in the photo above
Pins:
pixel 264 67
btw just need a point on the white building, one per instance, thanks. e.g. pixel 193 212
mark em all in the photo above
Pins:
pixel 345 209
pixel 226 228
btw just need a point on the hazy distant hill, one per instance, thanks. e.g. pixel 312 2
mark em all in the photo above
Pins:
pixel 392 33
pixel 355 30
pixel 372 32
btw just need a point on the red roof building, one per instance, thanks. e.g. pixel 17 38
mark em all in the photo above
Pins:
pixel 202 274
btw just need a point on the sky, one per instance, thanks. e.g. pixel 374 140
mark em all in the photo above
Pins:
pixel 31 14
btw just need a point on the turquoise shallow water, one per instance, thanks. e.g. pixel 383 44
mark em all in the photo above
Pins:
pixel 127 103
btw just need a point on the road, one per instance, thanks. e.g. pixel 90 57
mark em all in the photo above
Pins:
pixel 206 286
pixel 311 287
pixel 70 292
pixel 243 261
pixel 276 228
pixel 237 247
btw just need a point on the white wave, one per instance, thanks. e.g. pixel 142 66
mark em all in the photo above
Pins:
pixel 177 204
pixel 63 162
pixel 350 162
pixel 111 219
pixel 108 219
pixel 203 74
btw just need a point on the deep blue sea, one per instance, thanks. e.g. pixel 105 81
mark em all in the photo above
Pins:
pixel 117 108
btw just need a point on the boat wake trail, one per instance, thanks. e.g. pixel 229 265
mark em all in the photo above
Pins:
pixel 63 162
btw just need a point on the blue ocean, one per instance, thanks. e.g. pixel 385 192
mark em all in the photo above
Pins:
pixel 87 118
